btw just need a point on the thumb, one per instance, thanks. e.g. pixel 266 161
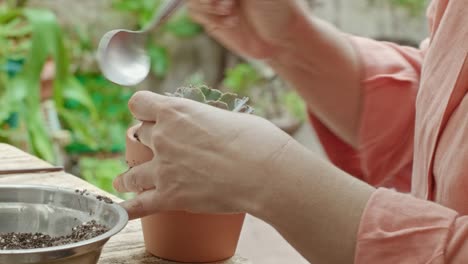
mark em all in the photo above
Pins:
pixel 144 204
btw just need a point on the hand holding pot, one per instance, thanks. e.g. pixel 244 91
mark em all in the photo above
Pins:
pixel 206 160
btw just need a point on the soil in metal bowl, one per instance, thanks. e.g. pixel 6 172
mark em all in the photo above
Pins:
pixel 85 231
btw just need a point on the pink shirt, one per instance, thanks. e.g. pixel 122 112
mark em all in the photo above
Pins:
pixel 414 138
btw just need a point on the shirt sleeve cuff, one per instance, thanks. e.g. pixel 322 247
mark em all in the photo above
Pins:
pixel 398 228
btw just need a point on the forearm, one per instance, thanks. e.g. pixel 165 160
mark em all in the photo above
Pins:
pixel 322 65
pixel 315 206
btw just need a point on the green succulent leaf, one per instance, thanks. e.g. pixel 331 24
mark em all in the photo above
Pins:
pixel 229 99
pixel 213 97
pixel 191 93
pixel 211 94
pixel 218 104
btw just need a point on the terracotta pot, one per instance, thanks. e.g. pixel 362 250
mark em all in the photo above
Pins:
pixel 182 236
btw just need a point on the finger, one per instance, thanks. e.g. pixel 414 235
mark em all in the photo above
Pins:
pixel 214 21
pixel 144 133
pixel 144 204
pixel 215 7
pixel 146 105
pixel 136 179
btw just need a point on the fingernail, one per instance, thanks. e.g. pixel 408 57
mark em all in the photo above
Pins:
pixel 116 183
pixel 133 209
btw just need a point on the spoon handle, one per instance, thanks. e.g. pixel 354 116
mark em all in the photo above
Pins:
pixel 164 12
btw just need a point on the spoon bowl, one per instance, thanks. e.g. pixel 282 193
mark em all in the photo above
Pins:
pixel 122 58
pixel 121 54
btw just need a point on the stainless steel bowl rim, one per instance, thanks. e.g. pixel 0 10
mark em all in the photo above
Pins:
pixel 122 222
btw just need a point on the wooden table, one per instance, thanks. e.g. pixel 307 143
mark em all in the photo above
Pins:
pixel 125 247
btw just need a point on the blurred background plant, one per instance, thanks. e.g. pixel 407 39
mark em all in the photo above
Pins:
pixel 33 42
pixel 412 7
pixel 56 104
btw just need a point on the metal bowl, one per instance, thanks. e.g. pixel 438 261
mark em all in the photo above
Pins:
pixel 55 211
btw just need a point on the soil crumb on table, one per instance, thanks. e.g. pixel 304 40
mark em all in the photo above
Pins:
pixel 85 231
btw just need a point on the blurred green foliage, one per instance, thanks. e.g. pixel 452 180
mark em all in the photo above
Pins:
pixel 413 7
pixel 244 79
pixel 295 105
pixel 32 37
pixel 241 78
pixel 107 133
pixel 91 108
pixel 102 172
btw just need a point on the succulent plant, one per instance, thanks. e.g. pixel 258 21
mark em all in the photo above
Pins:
pixel 214 97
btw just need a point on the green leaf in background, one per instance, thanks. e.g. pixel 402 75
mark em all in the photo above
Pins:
pixel 413 7
pixel 183 26
pixel 44 26
pixel 81 128
pixel 196 79
pixel 7 14
pixel 77 93
pixel 143 10
pixel 22 96
pixel 241 78
pixel 39 138
pixel 107 133
pixel 159 57
pixel 102 172
pixel 295 105
pixel 126 5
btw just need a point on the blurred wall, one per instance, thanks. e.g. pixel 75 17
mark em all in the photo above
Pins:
pixel 360 18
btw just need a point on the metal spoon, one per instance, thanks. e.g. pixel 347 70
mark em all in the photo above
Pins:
pixel 121 54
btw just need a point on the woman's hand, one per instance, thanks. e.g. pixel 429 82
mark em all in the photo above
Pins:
pixel 207 160
pixel 318 60
pixel 254 28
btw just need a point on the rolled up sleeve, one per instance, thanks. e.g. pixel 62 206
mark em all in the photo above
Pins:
pixel 390 81
pixel 398 228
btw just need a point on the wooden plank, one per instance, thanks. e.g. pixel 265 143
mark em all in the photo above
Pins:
pixel 125 247
pixel 259 241
pixel 12 158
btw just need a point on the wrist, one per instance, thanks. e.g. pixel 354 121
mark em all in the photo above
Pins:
pixel 273 189
pixel 294 41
